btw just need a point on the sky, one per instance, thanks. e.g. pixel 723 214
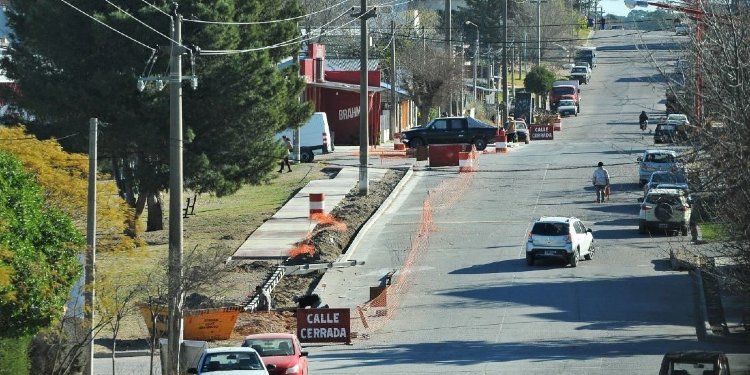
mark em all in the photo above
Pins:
pixel 616 7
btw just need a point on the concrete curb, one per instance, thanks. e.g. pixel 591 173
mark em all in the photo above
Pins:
pixel 379 212
pixel 702 327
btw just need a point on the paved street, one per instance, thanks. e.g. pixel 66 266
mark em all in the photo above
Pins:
pixel 473 306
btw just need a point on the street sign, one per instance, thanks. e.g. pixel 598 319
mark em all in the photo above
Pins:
pixel 323 325
pixel 541 132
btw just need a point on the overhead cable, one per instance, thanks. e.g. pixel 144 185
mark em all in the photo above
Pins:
pixel 109 27
pixel 264 22
pixel 144 24
pixel 285 43
pixel 157 8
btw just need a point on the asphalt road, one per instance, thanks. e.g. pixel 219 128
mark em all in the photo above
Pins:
pixel 473 306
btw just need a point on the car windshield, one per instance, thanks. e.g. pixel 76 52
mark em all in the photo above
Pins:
pixel 659 158
pixel 567 103
pixel 579 70
pixel 671 178
pixel 666 127
pixel 693 368
pixel 677 117
pixel 231 361
pixel 559 90
pixel 268 347
pixel 550 229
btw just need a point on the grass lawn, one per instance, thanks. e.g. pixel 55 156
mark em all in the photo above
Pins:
pixel 712 232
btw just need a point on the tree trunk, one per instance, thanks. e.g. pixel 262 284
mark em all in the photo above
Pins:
pixel 155 220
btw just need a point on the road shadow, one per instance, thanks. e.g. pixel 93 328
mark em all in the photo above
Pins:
pixel 614 208
pixel 662 265
pixel 123 344
pixel 654 78
pixel 640 46
pixel 618 222
pixel 510 265
pixel 616 234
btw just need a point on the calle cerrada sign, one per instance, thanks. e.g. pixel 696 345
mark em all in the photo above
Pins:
pixel 541 132
pixel 323 325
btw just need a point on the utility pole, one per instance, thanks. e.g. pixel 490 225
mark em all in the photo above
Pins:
pixel 393 81
pixel 175 196
pixel 449 47
pixel 539 32
pixel 364 111
pixel 505 60
pixel 90 263
pixel 476 60
pixel 512 68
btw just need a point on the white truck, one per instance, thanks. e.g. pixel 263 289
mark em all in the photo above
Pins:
pixel 314 137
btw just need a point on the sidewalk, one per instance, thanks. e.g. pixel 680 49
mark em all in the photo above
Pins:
pixel 292 223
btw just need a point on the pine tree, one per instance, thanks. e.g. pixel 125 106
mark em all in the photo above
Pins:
pixel 69 68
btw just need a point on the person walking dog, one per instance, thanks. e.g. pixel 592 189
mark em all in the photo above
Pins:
pixel 600 180
pixel 288 145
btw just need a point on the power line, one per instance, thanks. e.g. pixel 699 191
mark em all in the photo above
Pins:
pixel 264 22
pixel 109 27
pixel 280 44
pixel 157 8
pixel 144 24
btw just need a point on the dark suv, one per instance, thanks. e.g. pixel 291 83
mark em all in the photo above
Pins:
pixel 665 133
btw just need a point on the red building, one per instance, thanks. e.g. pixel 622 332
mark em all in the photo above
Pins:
pixel 337 93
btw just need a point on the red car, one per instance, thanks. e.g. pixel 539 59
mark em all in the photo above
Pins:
pixel 282 350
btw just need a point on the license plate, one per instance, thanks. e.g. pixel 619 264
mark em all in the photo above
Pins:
pixel 548 252
pixel 662 225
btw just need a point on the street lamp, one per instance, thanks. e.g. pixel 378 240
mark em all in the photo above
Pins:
pixel 476 54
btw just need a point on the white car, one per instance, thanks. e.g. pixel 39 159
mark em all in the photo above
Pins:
pixel 664 210
pixel 559 237
pixel 678 119
pixel 567 107
pixel 231 361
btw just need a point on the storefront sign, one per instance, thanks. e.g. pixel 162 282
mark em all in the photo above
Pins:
pixel 323 325
pixel 541 132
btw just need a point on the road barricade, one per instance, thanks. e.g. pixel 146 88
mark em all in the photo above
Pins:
pixel 397 144
pixel 501 141
pixel 444 155
pixel 558 123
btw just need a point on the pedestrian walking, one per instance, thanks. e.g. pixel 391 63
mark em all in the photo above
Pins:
pixel 600 180
pixel 288 146
pixel 602 22
pixel 512 136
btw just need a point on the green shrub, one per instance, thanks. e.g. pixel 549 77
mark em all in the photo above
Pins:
pixel 14 356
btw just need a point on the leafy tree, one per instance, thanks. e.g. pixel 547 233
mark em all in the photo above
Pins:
pixel 38 254
pixel 488 15
pixel 73 69
pixel 539 81
pixel 64 177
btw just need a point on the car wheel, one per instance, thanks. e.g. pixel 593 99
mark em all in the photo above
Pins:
pixel 641 184
pixel 480 144
pixel 306 156
pixel 529 260
pixel 663 212
pixel 416 142
pixel 684 230
pixel 592 250
pixel 642 228
pixel 574 258
pixel 526 141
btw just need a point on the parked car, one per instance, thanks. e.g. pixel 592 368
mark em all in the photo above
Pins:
pixel 567 107
pixel 664 210
pixel 446 130
pixel 230 360
pixel 522 131
pixel 315 137
pixel 655 160
pixel 657 179
pixel 282 350
pixel 665 133
pixel 678 119
pixel 559 237
pixel 581 73
pixel 681 29
pixel 694 362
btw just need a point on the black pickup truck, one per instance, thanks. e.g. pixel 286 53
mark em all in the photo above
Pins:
pixel 446 130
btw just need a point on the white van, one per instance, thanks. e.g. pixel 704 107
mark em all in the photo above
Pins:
pixel 315 137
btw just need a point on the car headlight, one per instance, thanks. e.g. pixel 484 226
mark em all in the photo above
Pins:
pixel 292 370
